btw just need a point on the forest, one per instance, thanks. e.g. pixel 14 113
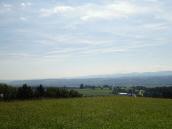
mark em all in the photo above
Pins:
pixel 27 92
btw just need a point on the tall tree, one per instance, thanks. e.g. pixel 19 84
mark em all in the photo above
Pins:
pixel 40 91
pixel 24 92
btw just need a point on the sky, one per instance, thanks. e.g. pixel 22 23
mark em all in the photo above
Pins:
pixel 70 38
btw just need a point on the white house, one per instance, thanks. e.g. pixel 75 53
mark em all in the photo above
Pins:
pixel 123 94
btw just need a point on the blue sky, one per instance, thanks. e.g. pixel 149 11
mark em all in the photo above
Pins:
pixel 68 38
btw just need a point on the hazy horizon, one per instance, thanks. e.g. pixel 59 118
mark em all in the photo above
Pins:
pixel 61 38
pixel 111 75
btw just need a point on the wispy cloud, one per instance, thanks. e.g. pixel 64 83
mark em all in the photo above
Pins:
pixel 25 4
pixel 56 10
pixel 109 10
pixel 7 5
pixel 69 39
pixel 90 11
pixel 85 33
pixel 100 50
pixel 23 18
pixel 4 7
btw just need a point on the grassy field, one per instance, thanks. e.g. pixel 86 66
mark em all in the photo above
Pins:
pixel 95 92
pixel 87 113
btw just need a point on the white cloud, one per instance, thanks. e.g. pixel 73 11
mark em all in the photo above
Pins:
pixel 107 48
pixel 68 52
pixel 63 9
pixel 74 40
pixel 25 4
pixel 110 10
pixel 16 55
pixel 23 18
pixel 94 11
pixel 56 10
pixel 4 7
pixel 155 26
pixel 7 5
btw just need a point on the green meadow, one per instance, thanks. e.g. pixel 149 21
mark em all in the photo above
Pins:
pixel 95 92
pixel 109 112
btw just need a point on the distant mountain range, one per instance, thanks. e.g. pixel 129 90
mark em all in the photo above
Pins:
pixel 149 79
pixel 134 74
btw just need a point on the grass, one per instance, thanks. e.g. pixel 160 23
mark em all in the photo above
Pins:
pixel 87 113
pixel 95 92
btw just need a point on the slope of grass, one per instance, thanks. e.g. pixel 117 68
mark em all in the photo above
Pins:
pixel 87 113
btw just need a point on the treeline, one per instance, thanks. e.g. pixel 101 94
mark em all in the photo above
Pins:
pixel 159 92
pixel 27 92
pixel 156 92
pixel 82 86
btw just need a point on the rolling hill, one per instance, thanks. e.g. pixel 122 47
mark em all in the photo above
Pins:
pixel 149 79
